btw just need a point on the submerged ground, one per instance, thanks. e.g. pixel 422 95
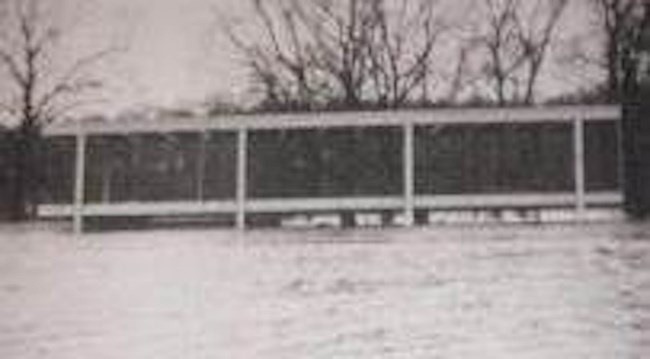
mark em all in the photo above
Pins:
pixel 567 291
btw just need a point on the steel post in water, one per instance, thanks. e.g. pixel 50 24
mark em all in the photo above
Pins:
pixel 579 166
pixel 242 157
pixel 409 174
pixel 79 182
pixel 200 166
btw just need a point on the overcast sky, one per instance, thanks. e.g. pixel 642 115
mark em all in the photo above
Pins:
pixel 173 57
pixel 170 57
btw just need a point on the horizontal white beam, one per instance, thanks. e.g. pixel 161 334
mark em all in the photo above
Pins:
pixel 550 114
pixel 324 204
pixel 134 209
pixel 283 205
pixel 568 199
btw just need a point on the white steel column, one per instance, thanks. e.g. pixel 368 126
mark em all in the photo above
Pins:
pixel 579 165
pixel 409 174
pixel 79 183
pixel 200 170
pixel 242 163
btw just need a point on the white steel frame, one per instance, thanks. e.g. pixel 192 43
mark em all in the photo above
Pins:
pixel 408 120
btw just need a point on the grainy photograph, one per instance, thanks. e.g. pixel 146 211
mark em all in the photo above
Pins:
pixel 354 179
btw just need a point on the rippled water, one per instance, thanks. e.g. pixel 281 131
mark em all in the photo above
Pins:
pixel 449 292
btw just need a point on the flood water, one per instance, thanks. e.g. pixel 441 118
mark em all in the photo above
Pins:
pixel 500 291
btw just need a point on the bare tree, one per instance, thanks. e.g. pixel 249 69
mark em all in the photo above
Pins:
pixel 39 92
pixel 341 33
pixel 346 53
pixel 279 62
pixel 503 57
pixel 625 30
pixel 401 52
pixel 621 24
pixel 535 34
pixel 515 42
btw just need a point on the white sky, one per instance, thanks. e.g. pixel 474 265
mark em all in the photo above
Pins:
pixel 173 58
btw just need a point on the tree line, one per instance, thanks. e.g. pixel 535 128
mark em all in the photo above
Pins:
pixel 40 85
pixel 342 54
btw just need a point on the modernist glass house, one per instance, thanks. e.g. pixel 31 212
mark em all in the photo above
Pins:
pixel 403 164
